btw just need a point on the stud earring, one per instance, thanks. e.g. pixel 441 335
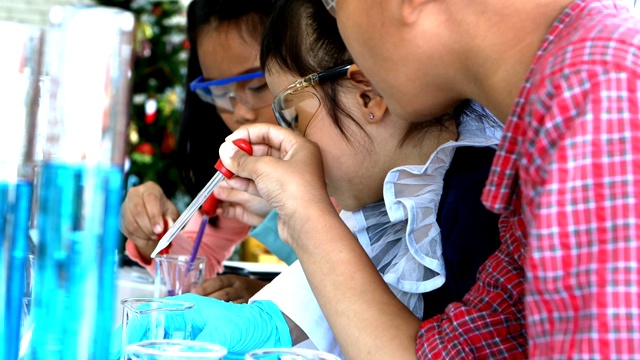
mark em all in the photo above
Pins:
pixel 371 116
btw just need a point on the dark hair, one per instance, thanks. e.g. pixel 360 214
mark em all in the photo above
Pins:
pixel 202 130
pixel 302 37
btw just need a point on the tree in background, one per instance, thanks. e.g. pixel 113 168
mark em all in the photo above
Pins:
pixel 159 72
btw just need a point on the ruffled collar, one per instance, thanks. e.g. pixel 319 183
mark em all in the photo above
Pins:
pixel 400 234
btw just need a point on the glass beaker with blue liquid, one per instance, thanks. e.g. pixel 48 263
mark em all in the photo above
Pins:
pixel 79 180
pixel 19 73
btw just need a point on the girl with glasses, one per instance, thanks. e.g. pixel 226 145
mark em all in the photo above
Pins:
pixel 226 89
pixel 410 193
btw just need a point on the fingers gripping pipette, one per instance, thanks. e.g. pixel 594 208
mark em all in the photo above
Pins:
pixel 222 173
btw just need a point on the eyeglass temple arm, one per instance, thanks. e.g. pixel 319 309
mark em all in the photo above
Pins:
pixel 322 76
pixel 331 74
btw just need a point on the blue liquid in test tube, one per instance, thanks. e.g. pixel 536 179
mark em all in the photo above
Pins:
pixel 19 73
pixel 78 211
pixel 15 206
pixel 79 183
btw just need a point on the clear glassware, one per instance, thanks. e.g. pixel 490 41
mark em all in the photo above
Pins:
pixel 154 319
pixel 289 354
pixel 173 277
pixel 26 326
pixel 79 181
pixel 175 350
pixel 21 46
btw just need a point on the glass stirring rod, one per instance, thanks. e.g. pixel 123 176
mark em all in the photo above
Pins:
pixel 222 173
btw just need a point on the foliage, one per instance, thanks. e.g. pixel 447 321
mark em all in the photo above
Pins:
pixel 159 70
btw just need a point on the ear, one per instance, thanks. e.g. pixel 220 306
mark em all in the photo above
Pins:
pixel 372 104
pixel 411 10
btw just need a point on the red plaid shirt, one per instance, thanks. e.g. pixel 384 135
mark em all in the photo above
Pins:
pixel 567 180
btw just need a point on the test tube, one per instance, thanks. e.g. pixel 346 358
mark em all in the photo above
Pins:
pixel 79 181
pixel 19 72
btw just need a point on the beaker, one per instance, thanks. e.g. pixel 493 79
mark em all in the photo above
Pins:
pixel 154 319
pixel 289 354
pixel 172 272
pixel 175 350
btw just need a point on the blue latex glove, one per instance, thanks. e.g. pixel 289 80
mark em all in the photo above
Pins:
pixel 242 327
pixel 238 327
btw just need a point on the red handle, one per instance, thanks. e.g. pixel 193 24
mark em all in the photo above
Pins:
pixel 209 207
pixel 243 145
pixel 211 204
pixel 165 223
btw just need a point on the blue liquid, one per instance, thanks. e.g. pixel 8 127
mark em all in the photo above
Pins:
pixel 74 293
pixel 15 205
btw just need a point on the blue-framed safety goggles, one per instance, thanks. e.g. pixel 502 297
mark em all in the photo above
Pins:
pixel 250 89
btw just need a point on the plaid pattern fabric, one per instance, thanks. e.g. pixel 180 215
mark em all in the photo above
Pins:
pixel 566 180
pixel 572 146
pixel 489 322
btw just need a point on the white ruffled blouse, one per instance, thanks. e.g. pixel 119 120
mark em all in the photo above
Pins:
pixel 400 235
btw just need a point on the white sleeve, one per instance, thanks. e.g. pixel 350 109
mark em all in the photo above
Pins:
pixel 292 293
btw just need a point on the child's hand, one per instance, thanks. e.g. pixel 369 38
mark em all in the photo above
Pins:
pixel 235 288
pixel 240 200
pixel 288 173
pixel 141 216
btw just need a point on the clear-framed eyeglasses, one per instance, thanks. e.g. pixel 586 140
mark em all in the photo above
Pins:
pixel 296 102
pixel 249 89
pixel 330 5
